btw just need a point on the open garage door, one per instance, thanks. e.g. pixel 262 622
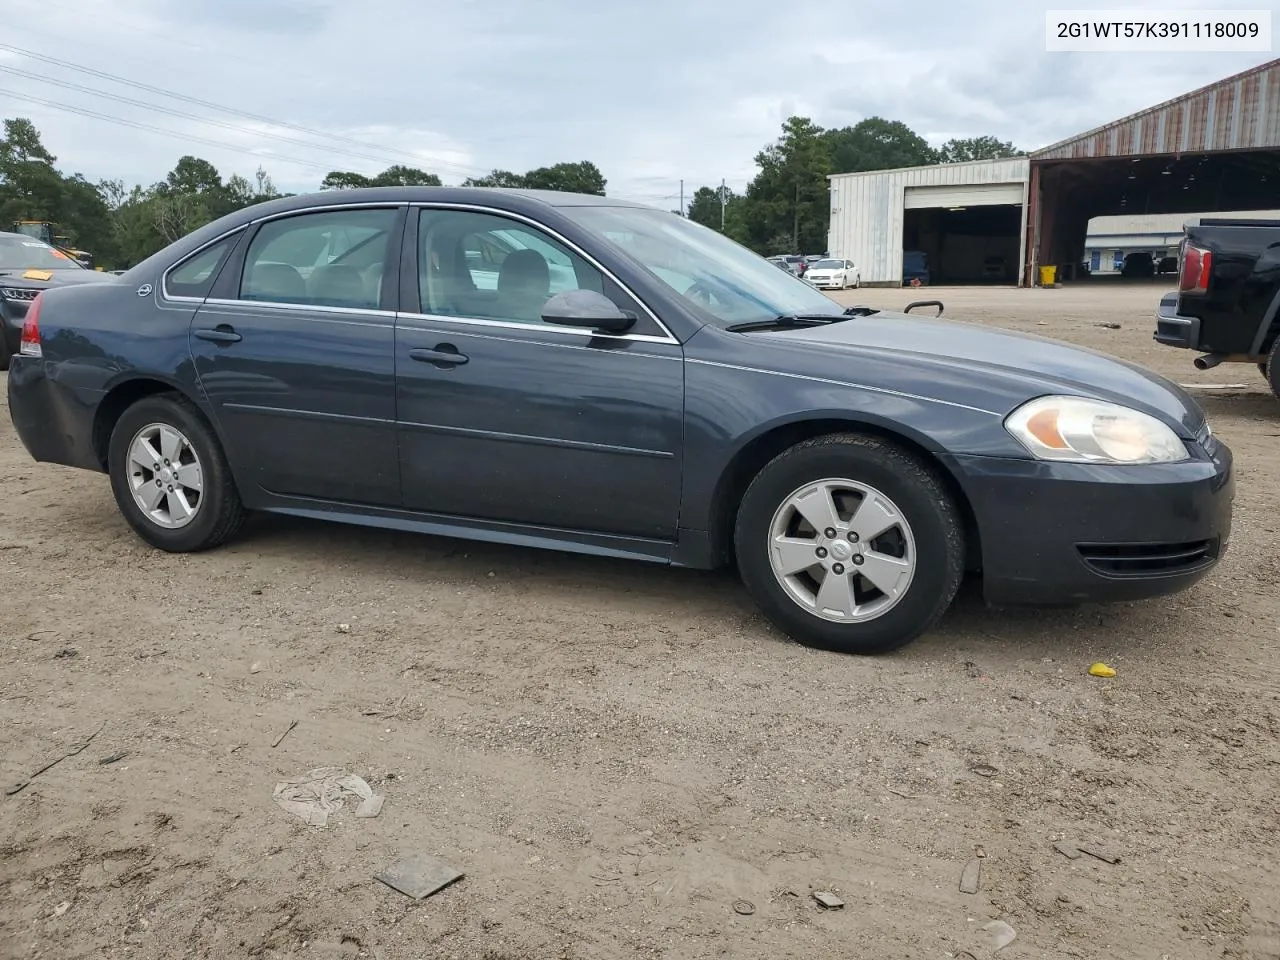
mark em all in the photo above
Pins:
pixel 962 195
pixel 964 233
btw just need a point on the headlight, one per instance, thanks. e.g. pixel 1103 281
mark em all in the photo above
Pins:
pixel 1076 430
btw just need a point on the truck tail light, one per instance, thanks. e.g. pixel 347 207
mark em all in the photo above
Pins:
pixel 30 345
pixel 1197 265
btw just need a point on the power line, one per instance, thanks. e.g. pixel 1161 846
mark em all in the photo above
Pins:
pixel 160 130
pixel 239 128
pixel 259 118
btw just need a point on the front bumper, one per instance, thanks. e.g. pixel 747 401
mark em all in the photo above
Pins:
pixel 1054 533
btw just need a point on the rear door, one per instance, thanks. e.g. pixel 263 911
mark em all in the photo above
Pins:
pixel 294 350
pixel 503 417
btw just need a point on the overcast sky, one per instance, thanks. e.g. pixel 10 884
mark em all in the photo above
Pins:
pixel 652 92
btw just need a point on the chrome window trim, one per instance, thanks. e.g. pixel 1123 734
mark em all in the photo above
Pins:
pixel 164 293
pixel 327 208
pixel 846 383
pixel 426 205
pixel 291 307
pixel 523 218
pixel 542 327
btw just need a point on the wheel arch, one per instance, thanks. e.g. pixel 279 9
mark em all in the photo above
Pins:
pixel 762 447
pixel 120 396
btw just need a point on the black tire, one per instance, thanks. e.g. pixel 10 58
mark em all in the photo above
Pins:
pixel 1262 369
pixel 921 497
pixel 4 353
pixel 219 514
pixel 1272 368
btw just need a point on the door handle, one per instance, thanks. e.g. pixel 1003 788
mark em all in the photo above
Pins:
pixel 222 333
pixel 444 355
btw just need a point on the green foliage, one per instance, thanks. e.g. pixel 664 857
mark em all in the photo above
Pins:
pixel 977 148
pixel 394 176
pixel 877 144
pixel 581 177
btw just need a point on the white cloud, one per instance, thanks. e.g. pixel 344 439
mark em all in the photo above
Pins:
pixel 652 92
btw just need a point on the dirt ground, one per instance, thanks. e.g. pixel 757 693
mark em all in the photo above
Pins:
pixel 614 754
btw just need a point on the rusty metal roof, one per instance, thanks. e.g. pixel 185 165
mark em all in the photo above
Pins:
pixel 1239 113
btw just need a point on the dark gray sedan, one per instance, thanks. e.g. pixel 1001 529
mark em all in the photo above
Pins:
pixel 553 370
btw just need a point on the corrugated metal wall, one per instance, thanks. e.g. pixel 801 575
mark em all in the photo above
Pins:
pixel 1238 113
pixel 866 209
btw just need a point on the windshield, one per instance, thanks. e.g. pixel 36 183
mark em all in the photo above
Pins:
pixel 829 265
pixel 24 253
pixel 726 282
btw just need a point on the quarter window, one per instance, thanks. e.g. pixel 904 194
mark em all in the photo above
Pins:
pixel 195 277
pixel 332 259
pixel 492 268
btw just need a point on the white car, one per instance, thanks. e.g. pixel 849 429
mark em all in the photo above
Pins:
pixel 834 275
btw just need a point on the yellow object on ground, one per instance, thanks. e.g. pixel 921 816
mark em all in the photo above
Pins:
pixel 1101 670
pixel 1048 275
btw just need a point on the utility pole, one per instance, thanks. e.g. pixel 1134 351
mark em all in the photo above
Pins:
pixel 683 212
pixel 722 204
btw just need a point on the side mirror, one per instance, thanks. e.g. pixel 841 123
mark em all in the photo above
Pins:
pixel 586 308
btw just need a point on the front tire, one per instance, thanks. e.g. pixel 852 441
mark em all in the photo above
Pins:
pixel 1272 371
pixel 170 477
pixel 890 570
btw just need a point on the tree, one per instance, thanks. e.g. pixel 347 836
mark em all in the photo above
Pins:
pixel 30 187
pixel 496 178
pixel 401 176
pixel 877 144
pixel 394 176
pixel 581 177
pixel 976 148
pixel 705 208
pixel 343 180
pixel 789 197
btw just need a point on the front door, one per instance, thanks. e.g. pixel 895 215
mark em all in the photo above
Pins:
pixel 504 417
pixel 295 352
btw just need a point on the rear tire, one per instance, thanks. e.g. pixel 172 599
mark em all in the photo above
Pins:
pixel 919 558
pixel 4 353
pixel 181 505
pixel 1272 371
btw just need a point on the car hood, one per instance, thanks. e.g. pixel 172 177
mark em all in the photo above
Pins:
pixel 37 279
pixel 966 363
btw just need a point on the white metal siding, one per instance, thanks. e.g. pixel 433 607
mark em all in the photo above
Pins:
pixel 866 208
pixel 971 195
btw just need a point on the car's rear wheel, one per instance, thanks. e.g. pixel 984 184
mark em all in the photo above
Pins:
pixel 850 543
pixel 1272 371
pixel 170 477
pixel 4 353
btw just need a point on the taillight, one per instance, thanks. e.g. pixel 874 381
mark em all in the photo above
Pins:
pixel 1197 265
pixel 31 330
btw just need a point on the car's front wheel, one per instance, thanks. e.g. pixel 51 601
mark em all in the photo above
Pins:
pixel 850 543
pixel 170 477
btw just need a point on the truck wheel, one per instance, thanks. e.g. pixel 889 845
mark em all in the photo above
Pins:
pixel 1273 368
pixel 850 543
pixel 170 478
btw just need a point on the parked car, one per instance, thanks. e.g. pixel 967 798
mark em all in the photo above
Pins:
pixel 27 266
pixel 1227 305
pixel 915 268
pixel 683 402
pixel 833 275
pixel 1139 264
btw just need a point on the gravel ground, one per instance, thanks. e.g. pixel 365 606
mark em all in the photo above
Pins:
pixel 614 754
